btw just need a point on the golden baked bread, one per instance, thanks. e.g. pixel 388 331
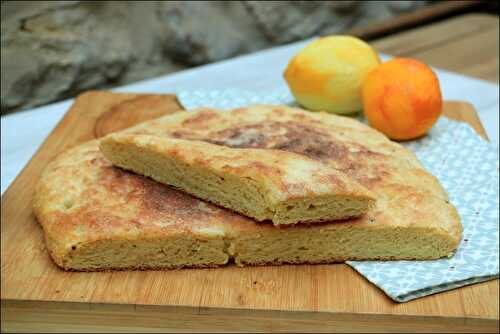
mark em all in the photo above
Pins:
pixel 97 217
pixel 284 187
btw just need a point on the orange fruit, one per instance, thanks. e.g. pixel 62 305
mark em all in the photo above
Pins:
pixel 402 98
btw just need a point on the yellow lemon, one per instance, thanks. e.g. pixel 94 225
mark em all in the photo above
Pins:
pixel 327 74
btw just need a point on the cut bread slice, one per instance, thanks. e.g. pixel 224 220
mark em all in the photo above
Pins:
pixel 280 186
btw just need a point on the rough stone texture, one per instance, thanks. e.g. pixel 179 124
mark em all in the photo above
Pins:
pixel 198 33
pixel 51 50
pixel 63 48
pixel 285 21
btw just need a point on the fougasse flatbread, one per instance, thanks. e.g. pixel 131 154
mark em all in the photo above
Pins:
pixel 96 216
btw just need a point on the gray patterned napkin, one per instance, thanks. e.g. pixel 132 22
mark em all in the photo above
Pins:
pixel 466 165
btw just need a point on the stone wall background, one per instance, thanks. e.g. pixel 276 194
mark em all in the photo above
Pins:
pixel 53 50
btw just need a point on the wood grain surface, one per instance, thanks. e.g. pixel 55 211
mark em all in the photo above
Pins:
pixel 36 295
pixel 413 18
pixel 466 44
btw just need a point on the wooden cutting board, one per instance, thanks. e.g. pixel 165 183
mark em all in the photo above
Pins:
pixel 38 296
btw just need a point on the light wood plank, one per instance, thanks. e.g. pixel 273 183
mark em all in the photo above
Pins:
pixel 412 18
pixel 322 297
pixel 430 36
pixel 475 55
pixel 461 111
pixel 467 44
pixel 60 317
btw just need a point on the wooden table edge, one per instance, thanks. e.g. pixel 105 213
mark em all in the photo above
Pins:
pixel 174 316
